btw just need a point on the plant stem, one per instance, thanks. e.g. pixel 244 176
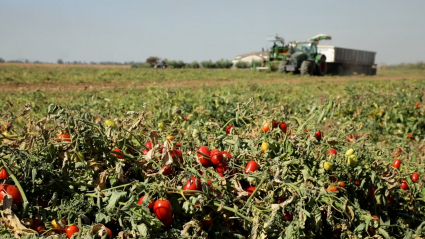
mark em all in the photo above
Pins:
pixel 233 210
pixel 18 185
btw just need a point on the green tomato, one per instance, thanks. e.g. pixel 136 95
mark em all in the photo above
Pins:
pixel 78 157
pixel 109 123
pixel 161 125
pixel 352 160
pixel 349 152
pixel 328 165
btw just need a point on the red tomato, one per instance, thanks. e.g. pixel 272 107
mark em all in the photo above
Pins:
pixel 193 183
pixel 163 210
pixel 357 182
pixel 265 127
pixel 118 151
pixel 222 169
pixel 226 155
pixel 221 174
pixel 251 166
pixel 376 219
pixel 140 202
pixel 283 127
pixel 228 128
pixel 3 174
pixel 250 189
pixel 409 135
pixel 145 151
pixel 415 177
pixel 289 216
pixel 6 127
pixel 396 163
pixel 148 145
pixel 207 221
pixel 396 153
pixel 71 230
pixel 332 189
pixel 371 192
pixel 13 191
pixel 404 185
pixel 168 222
pixel 63 137
pixel 185 118
pixel 332 152
pixel 371 231
pixel 280 200
pixel 177 153
pixel 318 135
pixel 274 124
pixel 206 151
pixel 217 159
pixel 109 232
pixel 167 170
pixel 417 104
pixel 390 199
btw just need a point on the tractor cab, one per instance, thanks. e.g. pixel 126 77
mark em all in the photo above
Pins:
pixel 307 48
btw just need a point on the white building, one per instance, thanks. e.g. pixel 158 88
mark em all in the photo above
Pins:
pixel 253 56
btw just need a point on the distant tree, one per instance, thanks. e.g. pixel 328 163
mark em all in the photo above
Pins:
pixel 152 60
pixel 194 65
pixel 2 60
pixel 60 61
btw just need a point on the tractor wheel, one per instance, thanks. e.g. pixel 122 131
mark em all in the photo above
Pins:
pixel 307 68
pixel 322 67
pixel 282 67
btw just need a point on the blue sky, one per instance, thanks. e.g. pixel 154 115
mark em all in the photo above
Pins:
pixel 190 30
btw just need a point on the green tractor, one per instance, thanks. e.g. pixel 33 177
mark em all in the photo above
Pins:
pixel 297 57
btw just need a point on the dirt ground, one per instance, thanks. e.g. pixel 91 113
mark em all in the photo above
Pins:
pixel 102 86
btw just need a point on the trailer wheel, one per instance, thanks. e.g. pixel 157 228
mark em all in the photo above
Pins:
pixel 306 68
pixel 321 66
pixel 282 67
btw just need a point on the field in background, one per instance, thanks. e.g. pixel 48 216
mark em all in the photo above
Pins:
pixel 30 77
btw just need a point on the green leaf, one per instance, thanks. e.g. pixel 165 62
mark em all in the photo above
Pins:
pixel 143 230
pixel 115 198
pixel 360 228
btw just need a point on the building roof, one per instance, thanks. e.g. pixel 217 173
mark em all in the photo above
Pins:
pixel 256 53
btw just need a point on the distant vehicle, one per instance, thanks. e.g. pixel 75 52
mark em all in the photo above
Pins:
pixel 160 64
pixel 310 58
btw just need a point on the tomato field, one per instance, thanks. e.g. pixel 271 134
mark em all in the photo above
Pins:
pixel 256 155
